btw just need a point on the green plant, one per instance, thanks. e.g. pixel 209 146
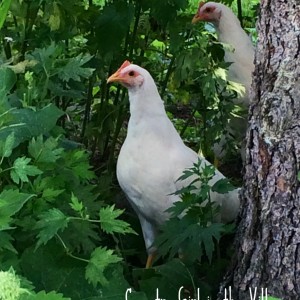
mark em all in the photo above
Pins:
pixel 62 220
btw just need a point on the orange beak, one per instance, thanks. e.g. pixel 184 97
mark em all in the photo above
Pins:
pixel 114 77
pixel 117 77
pixel 196 18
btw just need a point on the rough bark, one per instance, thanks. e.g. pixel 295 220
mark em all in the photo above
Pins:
pixel 268 238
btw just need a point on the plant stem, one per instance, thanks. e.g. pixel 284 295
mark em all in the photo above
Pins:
pixel 239 9
pixel 87 106
pixel 165 82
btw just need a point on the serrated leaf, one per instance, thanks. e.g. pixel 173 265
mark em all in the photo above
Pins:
pixel 26 123
pixel 11 201
pixel 207 237
pixel 6 240
pixel 7 146
pixel 44 151
pixel 76 204
pixel 101 258
pixel 51 193
pixel 49 224
pixel 222 186
pixel 8 79
pixel 74 68
pixel 110 224
pixel 44 296
pixel 78 161
pixel 21 170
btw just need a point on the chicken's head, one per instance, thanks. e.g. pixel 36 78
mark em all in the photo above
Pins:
pixel 210 12
pixel 129 75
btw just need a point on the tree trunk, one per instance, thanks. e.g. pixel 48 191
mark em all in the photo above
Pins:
pixel 268 238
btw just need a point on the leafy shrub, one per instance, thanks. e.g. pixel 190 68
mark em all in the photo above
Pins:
pixel 62 224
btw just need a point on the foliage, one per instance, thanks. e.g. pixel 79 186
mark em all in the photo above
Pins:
pixel 62 220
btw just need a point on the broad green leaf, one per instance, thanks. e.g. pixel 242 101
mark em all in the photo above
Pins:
pixel 44 151
pixel 52 270
pixel 22 169
pixel 112 26
pixel 77 160
pixel 44 296
pixel 11 201
pixel 168 278
pixel 222 73
pixel 166 11
pixel 8 79
pixel 101 258
pixel 27 123
pixel 4 7
pixel 51 193
pixel 7 146
pixel 49 224
pixel 74 68
pixel 110 224
pixel 208 237
pixel 6 240
pixel 117 286
pixel 222 186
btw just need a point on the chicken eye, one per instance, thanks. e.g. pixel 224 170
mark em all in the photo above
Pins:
pixel 208 10
pixel 131 73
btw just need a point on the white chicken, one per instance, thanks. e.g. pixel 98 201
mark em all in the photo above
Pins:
pixel 154 156
pixel 229 31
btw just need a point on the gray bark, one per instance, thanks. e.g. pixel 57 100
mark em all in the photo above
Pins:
pixel 268 238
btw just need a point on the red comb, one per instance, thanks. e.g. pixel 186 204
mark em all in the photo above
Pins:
pixel 125 64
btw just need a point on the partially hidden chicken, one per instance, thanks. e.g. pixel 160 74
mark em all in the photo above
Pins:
pixel 229 31
pixel 154 156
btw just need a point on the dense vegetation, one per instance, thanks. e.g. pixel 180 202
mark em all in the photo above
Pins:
pixel 63 228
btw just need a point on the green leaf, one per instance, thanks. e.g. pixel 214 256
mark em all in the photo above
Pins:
pixel 51 193
pixel 168 278
pixel 76 204
pixel 110 224
pixel 27 123
pixel 11 201
pixel 7 146
pixel 4 7
pixel 112 26
pixel 101 258
pixel 222 186
pixel 6 239
pixel 49 224
pixel 207 236
pixel 78 161
pixel 52 270
pixel 7 78
pixel 74 70
pixel 44 151
pixel 21 170
pixel 44 296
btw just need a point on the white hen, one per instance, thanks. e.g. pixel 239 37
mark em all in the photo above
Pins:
pixel 154 156
pixel 230 32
